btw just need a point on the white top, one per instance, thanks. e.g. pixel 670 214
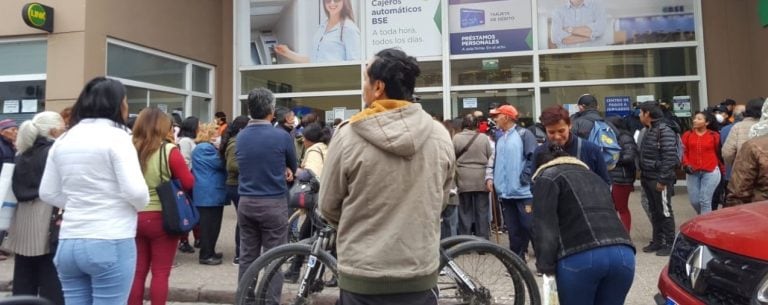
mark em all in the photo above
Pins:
pixel 93 173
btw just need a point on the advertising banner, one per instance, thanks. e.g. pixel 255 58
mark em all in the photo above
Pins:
pixel 485 26
pixel 592 23
pixel 617 106
pixel 411 25
pixel 304 31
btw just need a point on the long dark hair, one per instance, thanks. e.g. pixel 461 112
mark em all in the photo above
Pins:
pixel 232 130
pixel 709 117
pixel 101 98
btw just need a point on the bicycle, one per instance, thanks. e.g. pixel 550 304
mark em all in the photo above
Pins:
pixel 263 280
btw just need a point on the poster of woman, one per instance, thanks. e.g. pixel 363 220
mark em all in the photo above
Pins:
pixel 305 32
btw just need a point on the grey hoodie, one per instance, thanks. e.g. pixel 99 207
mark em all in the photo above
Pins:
pixel 386 178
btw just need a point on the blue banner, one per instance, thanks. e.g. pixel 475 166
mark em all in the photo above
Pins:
pixel 617 106
pixel 490 41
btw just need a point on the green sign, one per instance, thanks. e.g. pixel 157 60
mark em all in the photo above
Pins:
pixel 762 11
pixel 490 64
pixel 38 16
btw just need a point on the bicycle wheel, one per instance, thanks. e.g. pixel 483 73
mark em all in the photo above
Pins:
pixel 269 279
pixel 501 276
pixel 448 242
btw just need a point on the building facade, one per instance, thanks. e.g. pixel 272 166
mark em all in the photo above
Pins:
pixel 204 56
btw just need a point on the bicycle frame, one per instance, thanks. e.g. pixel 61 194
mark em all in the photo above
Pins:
pixel 458 275
pixel 314 271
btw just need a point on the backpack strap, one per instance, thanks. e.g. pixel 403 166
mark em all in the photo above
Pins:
pixel 578 147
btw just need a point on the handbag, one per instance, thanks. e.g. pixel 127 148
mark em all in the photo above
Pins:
pixel 179 215
pixel 305 192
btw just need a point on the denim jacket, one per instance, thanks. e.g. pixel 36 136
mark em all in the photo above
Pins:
pixel 572 212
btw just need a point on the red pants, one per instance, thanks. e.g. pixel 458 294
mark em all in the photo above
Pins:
pixel 620 194
pixel 155 250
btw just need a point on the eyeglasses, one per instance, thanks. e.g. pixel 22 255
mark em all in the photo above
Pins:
pixel 334 1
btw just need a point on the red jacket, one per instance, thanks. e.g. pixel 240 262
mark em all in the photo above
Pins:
pixel 701 151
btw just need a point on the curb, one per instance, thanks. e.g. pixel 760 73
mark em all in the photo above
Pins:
pixel 175 294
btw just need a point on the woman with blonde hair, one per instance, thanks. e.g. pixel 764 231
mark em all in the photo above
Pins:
pixel 34 233
pixel 210 192
pixel 156 248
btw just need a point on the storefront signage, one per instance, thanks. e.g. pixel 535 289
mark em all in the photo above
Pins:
pixel 485 26
pixel 617 106
pixel 598 23
pixel 490 64
pixel 469 102
pixel 38 16
pixel 682 106
pixel 762 10
pixel 11 106
pixel 645 98
pixel 413 26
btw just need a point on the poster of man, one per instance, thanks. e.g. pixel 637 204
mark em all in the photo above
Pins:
pixel 598 23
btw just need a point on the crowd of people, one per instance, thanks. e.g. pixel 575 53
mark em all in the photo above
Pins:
pixel 89 226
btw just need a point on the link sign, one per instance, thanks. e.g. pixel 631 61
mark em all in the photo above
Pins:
pixel 38 16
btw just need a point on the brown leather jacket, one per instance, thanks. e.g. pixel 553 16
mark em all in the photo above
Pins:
pixel 749 182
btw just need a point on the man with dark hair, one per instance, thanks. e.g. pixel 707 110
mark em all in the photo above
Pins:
pixel 557 123
pixel 584 120
pixel 221 121
pixel 739 133
pixel 267 159
pixel 387 176
pixel 658 161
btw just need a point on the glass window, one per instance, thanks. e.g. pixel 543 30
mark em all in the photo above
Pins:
pixel 663 91
pixel 137 99
pixel 22 100
pixel 619 64
pixel 201 108
pixel 139 66
pixel 326 107
pixel 432 103
pixel 503 70
pixel 200 79
pixel 465 102
pixel 28 57
pixel 167 101
pixel 431 74
pixel 303 79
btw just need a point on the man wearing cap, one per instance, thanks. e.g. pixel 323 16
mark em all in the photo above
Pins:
pixel 509 172
pixel 584 120
pixel 8 129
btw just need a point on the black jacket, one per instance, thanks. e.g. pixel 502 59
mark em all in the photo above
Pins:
pixel 572 212
pixel 658 154
pixel 582 122
pixel 626 168
pixel 26 183
pixel 7 151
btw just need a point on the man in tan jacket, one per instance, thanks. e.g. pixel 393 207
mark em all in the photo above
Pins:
pixel 386 178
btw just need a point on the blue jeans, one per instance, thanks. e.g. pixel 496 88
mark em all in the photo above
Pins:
pixel 600 276
pixel 701 187
pixel 96 271
pixel 518 215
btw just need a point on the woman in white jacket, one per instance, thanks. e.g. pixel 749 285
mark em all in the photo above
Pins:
pixel 93 173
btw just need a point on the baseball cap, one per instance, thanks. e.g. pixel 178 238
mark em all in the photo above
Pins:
pixel 7 123
pixel 507 110
pixel 587 100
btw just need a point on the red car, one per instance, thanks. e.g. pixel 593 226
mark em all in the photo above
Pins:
pixel 719 258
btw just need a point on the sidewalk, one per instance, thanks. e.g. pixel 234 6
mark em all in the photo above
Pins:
pixel 192 282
